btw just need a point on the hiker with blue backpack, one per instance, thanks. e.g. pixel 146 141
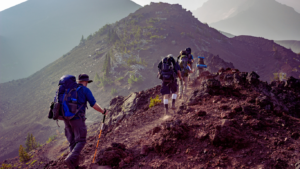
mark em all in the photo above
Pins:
pixel 169 70
pixel 200 65
pixel 69 105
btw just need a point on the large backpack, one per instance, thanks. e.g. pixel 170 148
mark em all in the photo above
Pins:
pixel 65 102
pixel 201 62
pixel 167 72
pixel 183 63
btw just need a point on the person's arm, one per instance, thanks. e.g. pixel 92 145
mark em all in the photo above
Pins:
pixel 99 109
pixel 92 101
pixel 179 74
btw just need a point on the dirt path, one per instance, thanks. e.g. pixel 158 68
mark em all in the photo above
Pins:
pixel 56 149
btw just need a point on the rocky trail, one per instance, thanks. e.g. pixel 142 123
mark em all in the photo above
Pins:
pixel 232 120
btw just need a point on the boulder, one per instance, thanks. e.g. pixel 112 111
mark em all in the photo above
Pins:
pixel 253 78
pixel 226 135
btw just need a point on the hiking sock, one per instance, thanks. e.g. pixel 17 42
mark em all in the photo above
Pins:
pixel 174 96
pixel 166 101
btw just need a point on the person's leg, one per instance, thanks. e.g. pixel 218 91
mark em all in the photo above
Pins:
pixel 80 132
pixel 180 88
pixel 185 84
pixel 174 89
pixel 165 91
pixel 166 103
pixel 69 133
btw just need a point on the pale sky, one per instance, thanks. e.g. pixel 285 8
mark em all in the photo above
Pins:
pixel 4 4
pixel 188 4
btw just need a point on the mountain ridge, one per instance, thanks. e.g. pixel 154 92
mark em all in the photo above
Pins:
pixel 134 45
pixel 38 32
pixel 255 18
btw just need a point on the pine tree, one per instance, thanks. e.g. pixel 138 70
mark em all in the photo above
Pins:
pixel 23 156
pixel 34 144
pixel 31 143
pixel 82 41
pixel 28 143
pixel 106 66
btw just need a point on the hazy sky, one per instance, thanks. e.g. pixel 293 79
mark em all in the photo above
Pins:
pixel 4 4
pixel 188 4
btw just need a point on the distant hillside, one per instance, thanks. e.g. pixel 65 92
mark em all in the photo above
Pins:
pixel 268 18
pixel 227 34
pixel 292 3
pixel 290 44
pixel 35 33
pixel 122 58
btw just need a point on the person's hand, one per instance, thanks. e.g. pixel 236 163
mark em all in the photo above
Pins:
pixel 105 112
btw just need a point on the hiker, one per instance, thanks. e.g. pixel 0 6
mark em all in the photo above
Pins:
pixel 191 59
pixel 169 70
pixel 183 62
pixel 200 65
pixel 75 129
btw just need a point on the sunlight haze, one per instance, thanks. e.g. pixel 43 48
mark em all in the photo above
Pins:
pixel 5 4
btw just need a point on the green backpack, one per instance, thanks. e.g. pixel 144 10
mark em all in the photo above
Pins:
pixel 183 63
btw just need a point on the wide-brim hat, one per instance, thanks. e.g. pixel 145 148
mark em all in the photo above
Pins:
pixel 84 77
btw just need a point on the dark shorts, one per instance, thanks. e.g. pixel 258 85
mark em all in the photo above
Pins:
pixel 168 88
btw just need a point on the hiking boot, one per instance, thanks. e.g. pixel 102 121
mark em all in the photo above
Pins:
pixel 69 164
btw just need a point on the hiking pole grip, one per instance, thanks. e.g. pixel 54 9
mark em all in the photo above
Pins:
pixel 104 115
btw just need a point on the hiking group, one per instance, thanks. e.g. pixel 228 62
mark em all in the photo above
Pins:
pixel 71 99
pixel 170 70
pixel 69 105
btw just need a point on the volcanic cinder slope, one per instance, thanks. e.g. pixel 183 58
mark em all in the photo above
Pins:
pixel 36 33
pixel 134 46
pixel 232 120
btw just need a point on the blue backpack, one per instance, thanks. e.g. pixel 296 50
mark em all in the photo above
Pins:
pixel 201 62
pixel 65 102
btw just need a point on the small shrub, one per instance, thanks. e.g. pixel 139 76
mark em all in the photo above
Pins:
pixel 134 80
pixel 156 37
pixel 104 81
pixel 51 138
pixel 89 37
pixel 5 166
pixel 155 101
pixel 33 162
pixel 131 61
pixel 113 92
pixel 23 156
pixel 31 143
pixel 119 79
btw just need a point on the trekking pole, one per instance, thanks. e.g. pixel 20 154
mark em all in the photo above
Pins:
pixel 99 138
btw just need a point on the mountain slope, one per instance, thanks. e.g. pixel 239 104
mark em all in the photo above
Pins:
pixel 38 32
pixel 133 46
pixel 292 3
pixel 268 19
pixel 236 121
pixel 290 44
